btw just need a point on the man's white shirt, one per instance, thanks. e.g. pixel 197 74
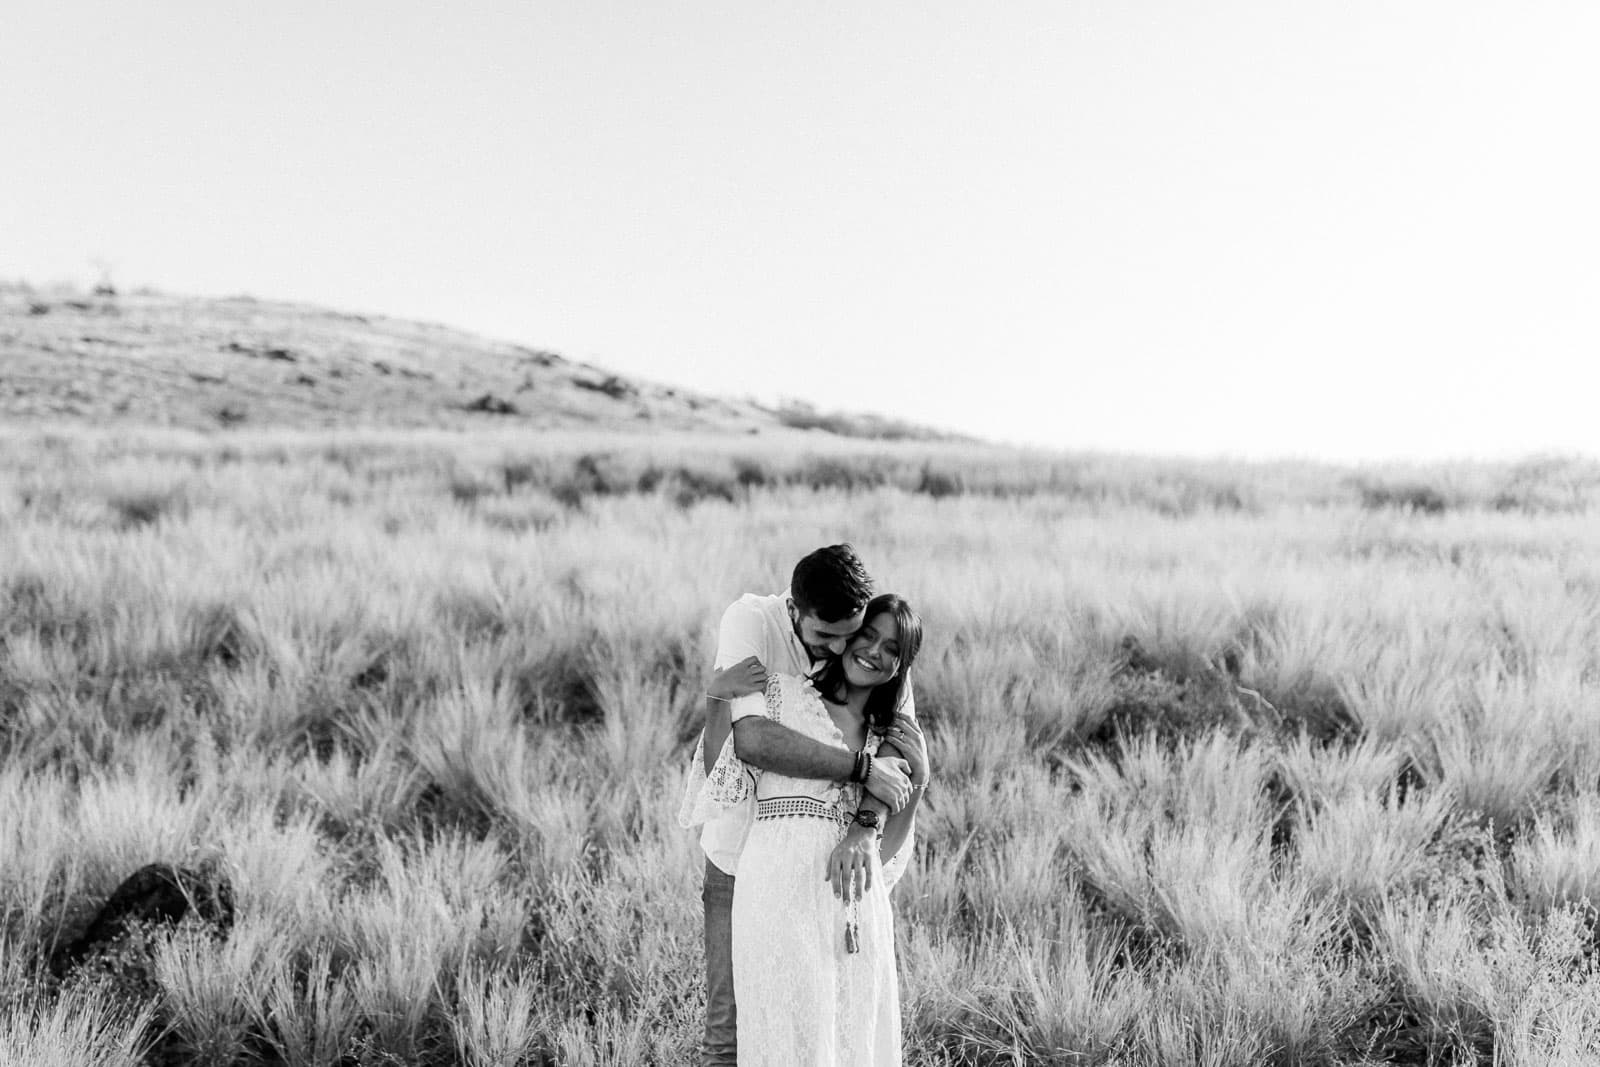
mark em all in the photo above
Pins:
pixel 756 626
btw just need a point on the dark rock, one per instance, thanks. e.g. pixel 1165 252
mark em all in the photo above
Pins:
pixel 613 386
pixel 156 894
pixel 281 355
pixel 492 405
pixel 540 358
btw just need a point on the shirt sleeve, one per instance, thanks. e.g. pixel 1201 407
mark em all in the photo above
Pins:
pixel 739 637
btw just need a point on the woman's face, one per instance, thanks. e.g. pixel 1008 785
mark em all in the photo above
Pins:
pixel 873 655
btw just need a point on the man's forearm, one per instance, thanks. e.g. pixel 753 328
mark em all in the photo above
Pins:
pixel 773 747
pixel 717 723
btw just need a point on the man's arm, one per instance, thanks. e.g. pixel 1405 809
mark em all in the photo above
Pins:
pixel 774 747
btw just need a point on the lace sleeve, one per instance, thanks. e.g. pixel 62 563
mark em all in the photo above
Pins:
pixel 775 698
pixel 898 863
pixel 731 781
pixel 727 786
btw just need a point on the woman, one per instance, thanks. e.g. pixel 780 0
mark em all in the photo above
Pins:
pixel 814 972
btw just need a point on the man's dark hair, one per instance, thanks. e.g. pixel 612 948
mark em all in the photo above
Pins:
pixel 832 583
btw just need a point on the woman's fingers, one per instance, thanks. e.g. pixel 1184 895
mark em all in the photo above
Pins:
pixel 747 676
pixel 857 883
pixel 850 875
pixel 906 733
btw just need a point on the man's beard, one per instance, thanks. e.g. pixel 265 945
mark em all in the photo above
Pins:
pixel 811 653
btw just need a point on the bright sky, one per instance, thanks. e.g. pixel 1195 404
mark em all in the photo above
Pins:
pixel 1353 229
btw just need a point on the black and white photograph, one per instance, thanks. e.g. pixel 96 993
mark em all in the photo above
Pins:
pixel 689 533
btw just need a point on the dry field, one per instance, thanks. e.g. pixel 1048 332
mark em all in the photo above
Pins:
pixel 423 702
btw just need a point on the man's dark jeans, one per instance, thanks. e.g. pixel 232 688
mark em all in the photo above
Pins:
pixel 722 1031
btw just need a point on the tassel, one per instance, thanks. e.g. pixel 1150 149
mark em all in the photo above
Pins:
pixel 852 929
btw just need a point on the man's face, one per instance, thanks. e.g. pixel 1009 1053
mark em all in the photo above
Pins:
pixel 824 640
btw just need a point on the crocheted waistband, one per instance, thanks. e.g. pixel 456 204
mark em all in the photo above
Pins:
pixel 804 807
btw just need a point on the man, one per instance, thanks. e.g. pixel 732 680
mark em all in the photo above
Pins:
pixel 795 632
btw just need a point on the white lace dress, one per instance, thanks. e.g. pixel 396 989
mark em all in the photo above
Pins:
pixel 804 998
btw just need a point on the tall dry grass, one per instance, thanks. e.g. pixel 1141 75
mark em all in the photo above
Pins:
pixel 426 702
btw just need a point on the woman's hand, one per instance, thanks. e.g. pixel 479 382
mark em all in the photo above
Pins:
pixel 906 735
pixel 850 863
pixel 740 680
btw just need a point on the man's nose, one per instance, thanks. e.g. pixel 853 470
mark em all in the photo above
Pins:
pixel 836 645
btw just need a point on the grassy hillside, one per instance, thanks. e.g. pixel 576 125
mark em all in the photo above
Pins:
pixel 144 358
pixel 1235 765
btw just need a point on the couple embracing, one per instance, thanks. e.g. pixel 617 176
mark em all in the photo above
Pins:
pixel 807 780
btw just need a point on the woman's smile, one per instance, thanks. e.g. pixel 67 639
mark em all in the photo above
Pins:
pixel 868 666
pixel 873 655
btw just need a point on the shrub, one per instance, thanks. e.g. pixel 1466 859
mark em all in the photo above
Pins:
pixel 1404 496
pixel 938 484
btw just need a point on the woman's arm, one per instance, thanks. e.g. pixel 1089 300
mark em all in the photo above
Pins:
pixel 906 741
pixel 742 679
pixel 897 828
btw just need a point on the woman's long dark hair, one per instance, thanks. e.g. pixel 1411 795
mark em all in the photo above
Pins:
pixel 884 700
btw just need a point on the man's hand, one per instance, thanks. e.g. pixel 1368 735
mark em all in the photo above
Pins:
pixel 890 781
pixel 740 680
pixel 850 863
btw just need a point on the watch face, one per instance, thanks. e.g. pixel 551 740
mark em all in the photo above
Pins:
pixel 867 818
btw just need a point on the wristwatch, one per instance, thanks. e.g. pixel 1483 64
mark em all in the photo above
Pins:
pixel 867 818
